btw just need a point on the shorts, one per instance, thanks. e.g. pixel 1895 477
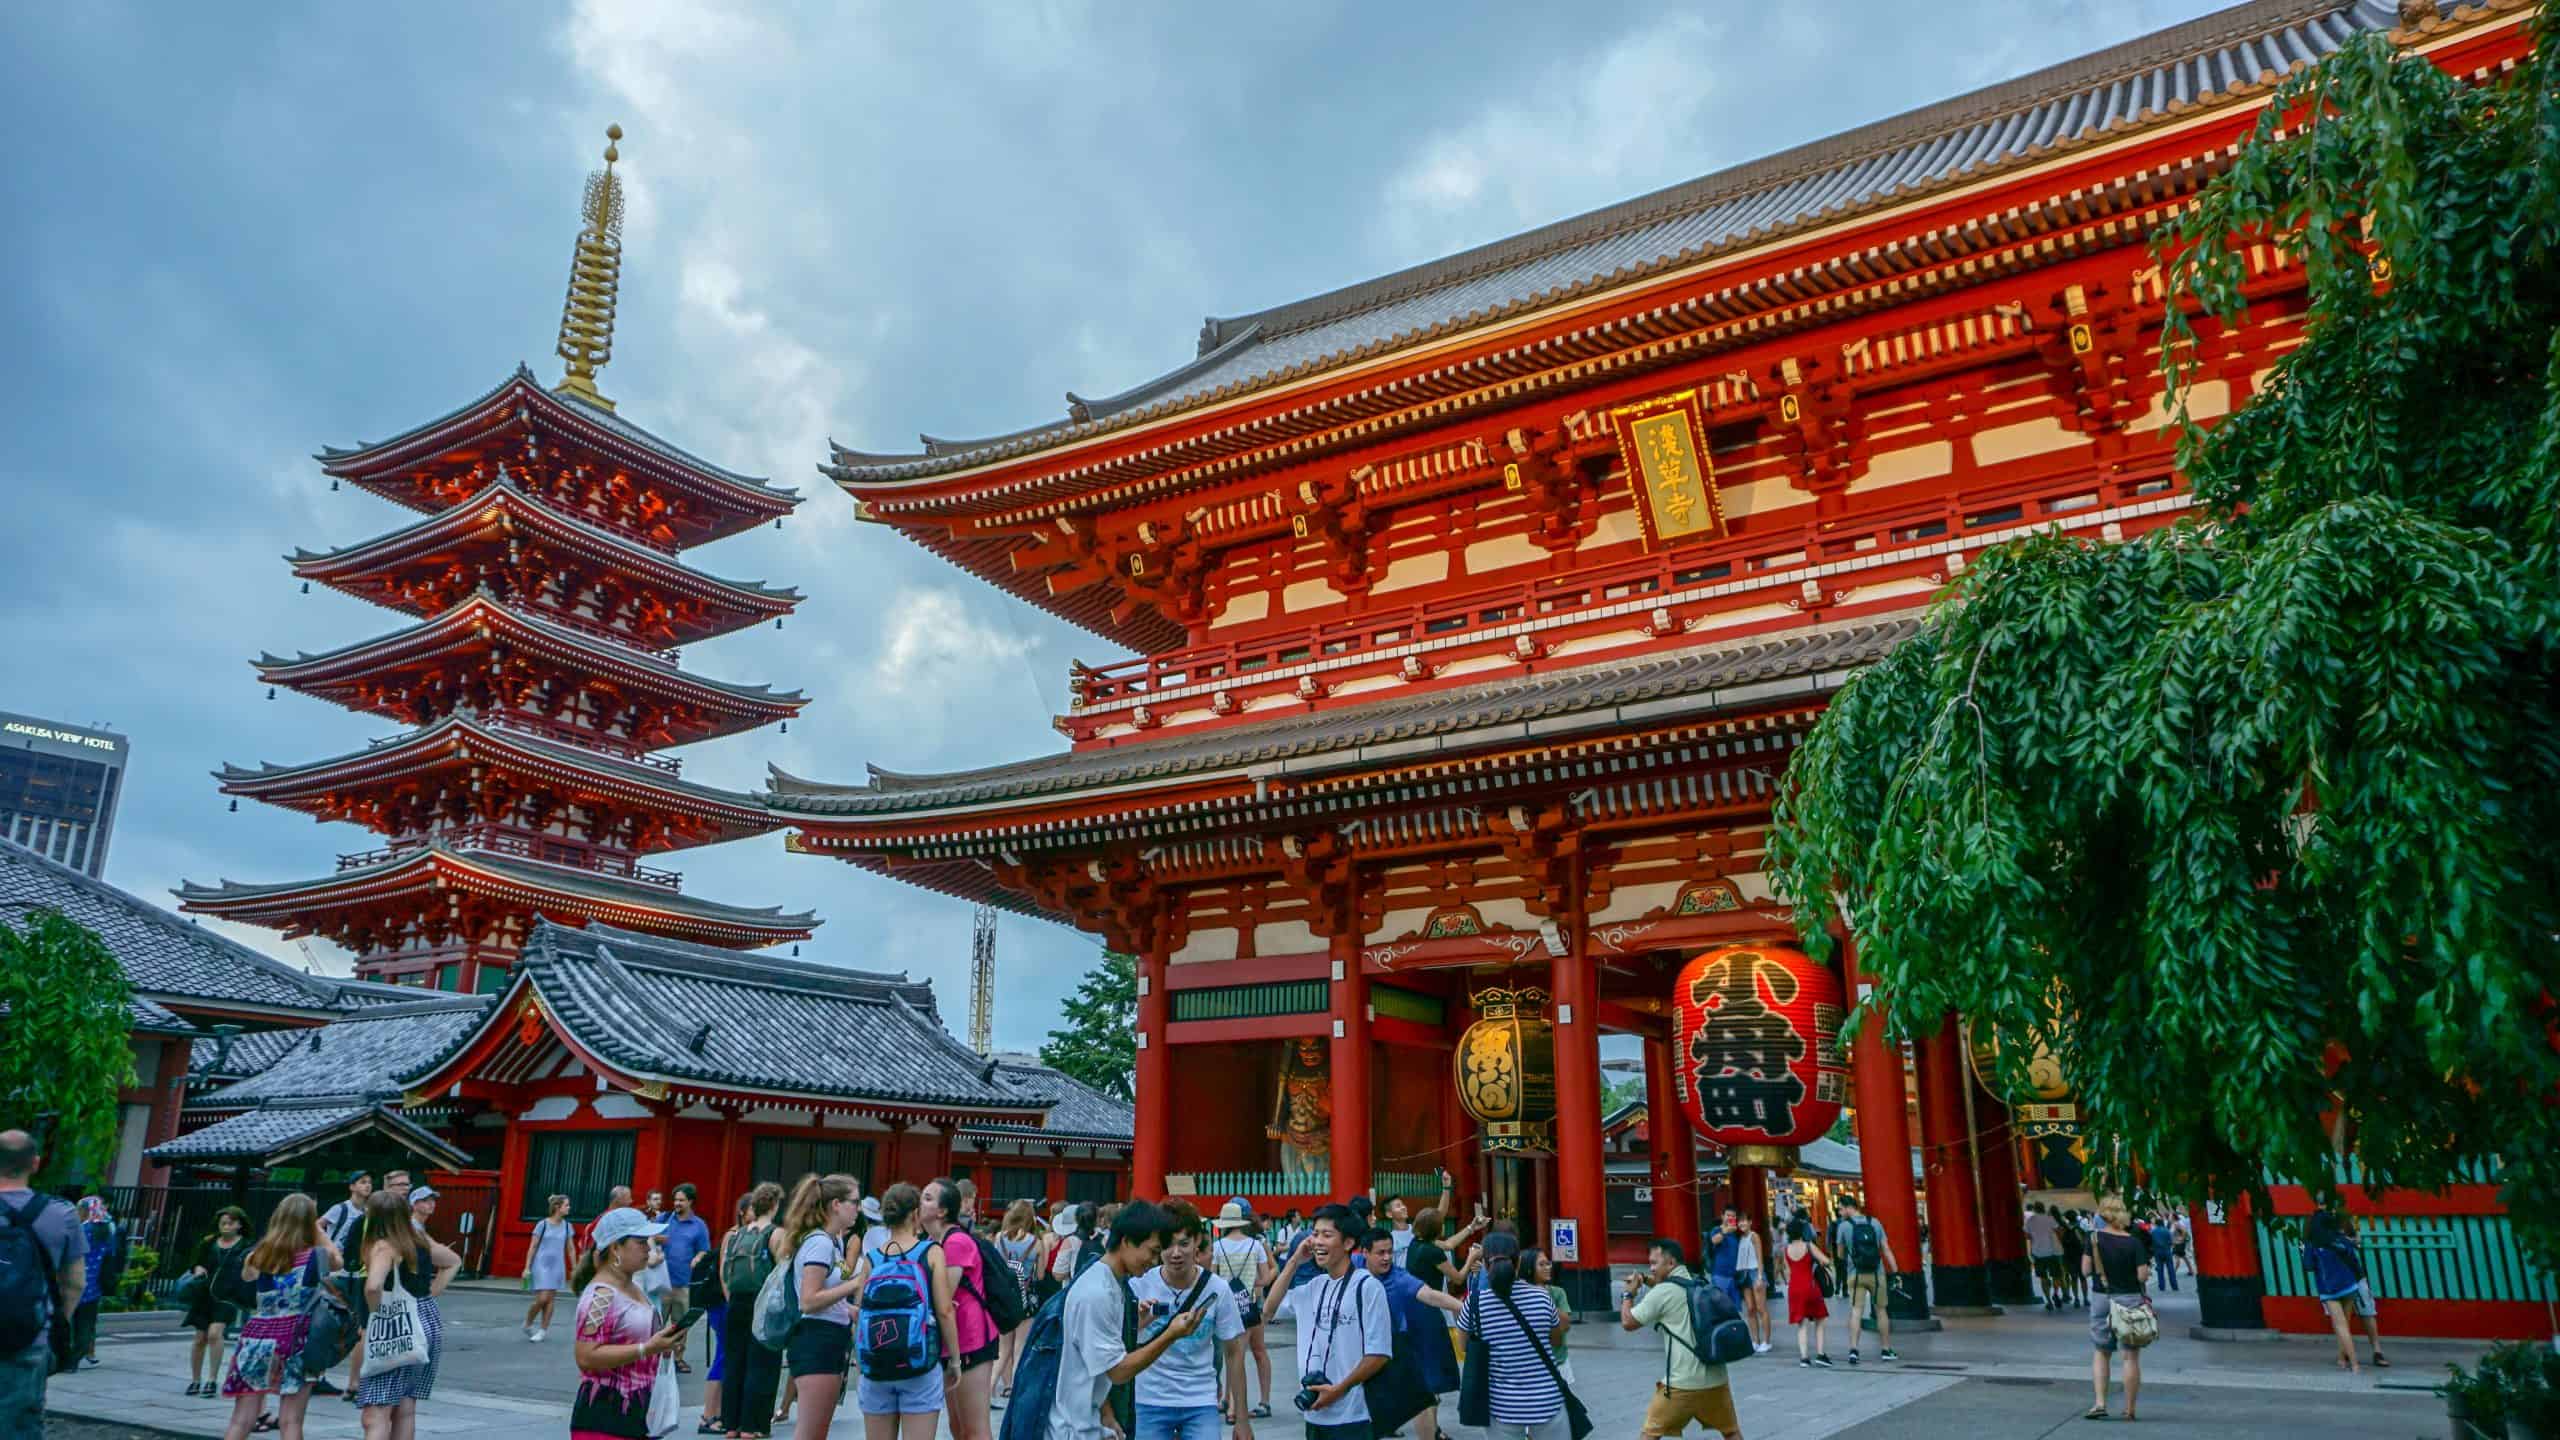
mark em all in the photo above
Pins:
pixel 1672 1410
pixel 915 1395
pixel 2102 1330
pixel 1866 1289
pixel 1746 1280
pixel 819 1348
pixel 983 1355
pixel 2048 1266
pixel 2358 1301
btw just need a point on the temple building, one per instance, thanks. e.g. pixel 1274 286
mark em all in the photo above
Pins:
pixel 542 606
pixel 1473 611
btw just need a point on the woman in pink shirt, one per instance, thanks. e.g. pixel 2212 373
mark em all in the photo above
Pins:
pixel 967 1400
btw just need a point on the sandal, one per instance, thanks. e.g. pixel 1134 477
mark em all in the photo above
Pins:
pixel 1262 1411
pixel 2095 1412
pixel 2380 1362
pixel 265 1424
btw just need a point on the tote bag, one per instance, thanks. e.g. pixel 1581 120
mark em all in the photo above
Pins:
pixel 666 1399
pixel 394 1338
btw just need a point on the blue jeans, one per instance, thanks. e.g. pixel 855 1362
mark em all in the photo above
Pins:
pixel 22 1379
pixel 1177 1422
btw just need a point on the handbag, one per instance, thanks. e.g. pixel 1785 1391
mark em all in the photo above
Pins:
pixel 778 1307
pixel 1823 1282
pixel 666 1400
pixel 2131 1321
pixel 395 1337
pixel 1576 1418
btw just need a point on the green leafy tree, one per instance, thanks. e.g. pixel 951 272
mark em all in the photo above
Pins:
pixel 64 1050
pixel 1098 1044
pixel 2255 819
pixel 1622 1091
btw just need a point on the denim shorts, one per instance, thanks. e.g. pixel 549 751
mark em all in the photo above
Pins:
pixel 917 1395
pixel 1177 1422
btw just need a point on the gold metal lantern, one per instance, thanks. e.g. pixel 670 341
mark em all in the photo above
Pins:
pixel 1506 1070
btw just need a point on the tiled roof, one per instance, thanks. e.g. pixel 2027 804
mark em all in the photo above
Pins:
pixel 1077 1111
pixel 2233 53
pixel 360 1058
pixel 148 1017
pixel 693 1015
pixel 166 958
pixel 280 1132
pixel 249 1054
pixel 1657 687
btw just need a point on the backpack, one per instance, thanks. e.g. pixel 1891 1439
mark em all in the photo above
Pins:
pixel 1248 1298
pixel 1035 1373
pixel 1866 1247
pixel 895 1334
pixel 1724 1337
pixel 26 1275
pixel 743 1268
pixel 778 1307
pixel 1001 1294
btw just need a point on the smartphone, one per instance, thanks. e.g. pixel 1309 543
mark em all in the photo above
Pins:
pixel 688 1319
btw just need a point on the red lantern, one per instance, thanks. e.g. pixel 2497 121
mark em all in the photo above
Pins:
pixel 1758 1067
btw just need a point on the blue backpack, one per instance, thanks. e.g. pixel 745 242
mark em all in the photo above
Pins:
pixel 894 1331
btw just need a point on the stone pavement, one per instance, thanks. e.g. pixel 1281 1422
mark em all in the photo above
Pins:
pixel 2023 1374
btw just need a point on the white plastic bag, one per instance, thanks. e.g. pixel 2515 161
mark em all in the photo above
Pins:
pixel 666 1399
pixel 395 1336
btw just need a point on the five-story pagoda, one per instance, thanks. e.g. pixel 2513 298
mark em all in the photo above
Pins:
pixel 539 675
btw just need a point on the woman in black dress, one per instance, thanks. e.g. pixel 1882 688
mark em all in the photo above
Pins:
pixel 217 1271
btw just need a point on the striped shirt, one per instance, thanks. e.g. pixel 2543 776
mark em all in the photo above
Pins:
pixel 1522 1391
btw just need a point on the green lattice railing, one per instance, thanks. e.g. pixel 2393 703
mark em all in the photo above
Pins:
pixel 1250 1002
pixel 1218 1184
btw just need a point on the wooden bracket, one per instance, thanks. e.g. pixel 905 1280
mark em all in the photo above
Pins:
pixel 1560 497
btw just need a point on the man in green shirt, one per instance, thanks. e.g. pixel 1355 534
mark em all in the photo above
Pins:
pixel 1691 1388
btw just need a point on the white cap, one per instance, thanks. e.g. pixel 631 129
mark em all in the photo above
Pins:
pixel 625 1223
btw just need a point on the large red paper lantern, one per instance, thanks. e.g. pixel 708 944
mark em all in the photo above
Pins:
pixel 1758 1067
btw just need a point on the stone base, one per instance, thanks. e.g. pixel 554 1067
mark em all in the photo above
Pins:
pixel 1952 1286
pixel 2244 1337
pixel 1917 1325
pixel 1974 1311
pixel 1906 1299
pixel 2234 1303
pixel 2013 1282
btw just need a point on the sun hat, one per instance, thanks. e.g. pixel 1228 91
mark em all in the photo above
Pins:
pixel 625 1223
pixel 1231 1216
pixel 871 1208
pixel 1064 1222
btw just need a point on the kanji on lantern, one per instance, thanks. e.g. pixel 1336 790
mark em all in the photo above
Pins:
pixel 1758 1057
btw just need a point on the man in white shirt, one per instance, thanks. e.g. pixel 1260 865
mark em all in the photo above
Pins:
pixel 1345 1334
pixel 2044 1252
pixel 1091 1355
pixel 1184 1395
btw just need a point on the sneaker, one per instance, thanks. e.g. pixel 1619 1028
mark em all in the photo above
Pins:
pixel 1853 1357
pixel 1887 1355
pixel 537 1335
pixel 1760 1349
pixel 1804 1364
pixel 1823 1360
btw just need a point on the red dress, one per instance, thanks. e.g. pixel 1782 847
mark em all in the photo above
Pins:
pixel 1804 1296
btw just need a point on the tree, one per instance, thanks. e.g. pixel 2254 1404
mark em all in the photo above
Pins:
pixel 2256 819
pixel 1098 1044
pixel 63 1046
pixel 1620 1092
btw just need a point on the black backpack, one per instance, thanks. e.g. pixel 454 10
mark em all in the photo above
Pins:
pixel 1866 1247
pixel 1002 1292
pixel 27 1288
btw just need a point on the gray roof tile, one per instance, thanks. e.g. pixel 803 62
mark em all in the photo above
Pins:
pixel 357 1059
pixel 280 1132
pixel 1077 1111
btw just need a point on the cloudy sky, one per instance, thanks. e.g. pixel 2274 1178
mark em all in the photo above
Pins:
pixel 234 234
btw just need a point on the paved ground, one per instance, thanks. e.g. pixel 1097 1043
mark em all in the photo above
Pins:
pixel 2024 1374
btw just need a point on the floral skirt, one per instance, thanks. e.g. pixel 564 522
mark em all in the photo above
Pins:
pixel 409 1382
pixel 267 1358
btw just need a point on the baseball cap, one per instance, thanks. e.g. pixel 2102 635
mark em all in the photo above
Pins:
pixel 423 1192
pixel 625 1223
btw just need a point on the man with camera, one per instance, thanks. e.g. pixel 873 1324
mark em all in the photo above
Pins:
pixel 1345 1334
pixel 1692 1387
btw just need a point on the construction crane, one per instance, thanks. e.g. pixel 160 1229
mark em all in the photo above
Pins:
pixel 982 981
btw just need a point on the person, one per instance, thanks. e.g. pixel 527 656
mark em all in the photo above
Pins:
pixel 548 1259
pixel 1518 1323
pixel 394 1246
pixel 657 1209
pixel 972 1336
pixel 341 1221
pixel 2044 1253
pixel 217 1264
pixel 40 1232
pixel 618 1198
pixel 1427 1259
pixel 1691 1387
pixel 1199 1380
pixel 347 1238
pixel 1751 1278
pixel 909 1408
pixel 1724 1255
pixel 2164 1245
pixel 1345 1333
pixel 2119 1268
pixel 1542 1273
pixel 1094 1353
pixel 2184 1241
pixel 1869 1253
pixel 1400 1215
pixel 751 1371
pixel 685 1236
pixel 2074 1238
pixel 1017 1244
pixel 619 1341
pixel 1421 1362
pixel 279 1287
pixel 967 1219
pixel 2336 1268
pixel 1076 1230
pixel 821 1211
pixel 711 1293
pixel 1243 1261
pixel 874 1230
pixel 1805 1308
pixel 99 1263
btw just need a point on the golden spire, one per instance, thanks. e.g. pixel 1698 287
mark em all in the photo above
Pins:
pixel 595 274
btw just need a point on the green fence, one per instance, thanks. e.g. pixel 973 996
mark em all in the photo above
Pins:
pixel 2416 1257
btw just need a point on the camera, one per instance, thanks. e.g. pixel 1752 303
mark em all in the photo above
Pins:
pixel 1308 1385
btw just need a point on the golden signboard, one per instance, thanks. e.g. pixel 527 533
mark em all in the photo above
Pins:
pixel 1663 443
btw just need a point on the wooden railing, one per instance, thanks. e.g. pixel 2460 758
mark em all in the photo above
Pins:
pixel 578 736
pixel 503 840
pixel 1981 514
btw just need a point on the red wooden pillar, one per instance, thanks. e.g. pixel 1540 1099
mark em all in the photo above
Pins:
pixel 1581 1164
pixel 1884 1147
pixel 1351 1056
pixel 1955 1209
pixel 168 1097
pixel 2230 1296
pixel 2004 1215
pixel 1155 1073
pixel 1674 1147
